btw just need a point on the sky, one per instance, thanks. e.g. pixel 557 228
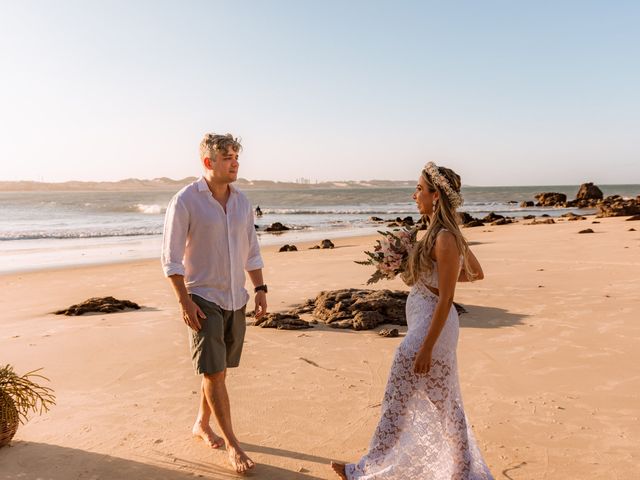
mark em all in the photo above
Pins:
pixel 504 92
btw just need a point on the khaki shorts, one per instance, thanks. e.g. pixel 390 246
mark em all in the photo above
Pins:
pixel 218 344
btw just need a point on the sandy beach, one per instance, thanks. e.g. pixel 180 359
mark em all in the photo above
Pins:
pixel 548 356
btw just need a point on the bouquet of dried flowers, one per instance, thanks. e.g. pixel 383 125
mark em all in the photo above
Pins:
pixel 390 254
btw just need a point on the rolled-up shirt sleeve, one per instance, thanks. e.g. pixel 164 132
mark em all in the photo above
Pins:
pixel 254 259
pixel 174 238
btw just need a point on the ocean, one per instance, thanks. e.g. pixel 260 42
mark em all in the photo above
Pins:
pixel 47 229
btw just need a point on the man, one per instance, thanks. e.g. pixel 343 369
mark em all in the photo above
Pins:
pixel 209 241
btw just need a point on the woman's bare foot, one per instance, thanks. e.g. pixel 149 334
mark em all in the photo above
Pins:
pixel 205 432
pixel 339 468
pixel 239 460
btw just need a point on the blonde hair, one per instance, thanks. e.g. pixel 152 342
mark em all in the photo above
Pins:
pixel 444 218
pixel 213 143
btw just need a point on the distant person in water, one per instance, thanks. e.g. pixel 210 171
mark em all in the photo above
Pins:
pixel 209 242
pixel 258 211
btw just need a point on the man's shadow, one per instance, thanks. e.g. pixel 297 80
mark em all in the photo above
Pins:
pixel 33 460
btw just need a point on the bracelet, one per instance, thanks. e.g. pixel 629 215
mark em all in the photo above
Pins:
pixel 261 288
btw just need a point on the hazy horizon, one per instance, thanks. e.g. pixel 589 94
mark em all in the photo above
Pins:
pixel 503 93
pixel 313 182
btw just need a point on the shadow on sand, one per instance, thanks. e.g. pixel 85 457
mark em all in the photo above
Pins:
pixel 32 460
pixel 489 317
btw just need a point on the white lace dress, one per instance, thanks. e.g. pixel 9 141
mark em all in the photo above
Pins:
pixel 423 432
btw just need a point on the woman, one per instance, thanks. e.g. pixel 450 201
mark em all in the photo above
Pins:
pixel 423 432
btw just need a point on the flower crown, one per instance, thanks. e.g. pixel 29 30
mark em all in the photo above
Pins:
pixel 438 179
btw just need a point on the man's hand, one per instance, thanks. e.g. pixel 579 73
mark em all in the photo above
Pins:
pixel 191 314
pixel 261 304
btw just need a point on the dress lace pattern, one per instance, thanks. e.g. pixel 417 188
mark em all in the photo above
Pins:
pixel 423 432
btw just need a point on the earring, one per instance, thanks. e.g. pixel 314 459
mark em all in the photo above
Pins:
pixel 434 203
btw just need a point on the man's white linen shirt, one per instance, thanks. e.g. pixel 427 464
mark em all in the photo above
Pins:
pixel 209 247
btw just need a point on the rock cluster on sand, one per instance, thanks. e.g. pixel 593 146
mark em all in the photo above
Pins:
pixel 277 227
pixel 402 222
pixel 546 221
pixel 282 321
pixel 288 248
pixel 100 305
pixel 357 309
pixel 326 243
pixel 492 218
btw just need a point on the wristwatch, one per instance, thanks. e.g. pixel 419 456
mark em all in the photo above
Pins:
pixel 261 288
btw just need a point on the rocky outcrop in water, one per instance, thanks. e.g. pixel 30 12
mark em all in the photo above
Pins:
pixel 277 227
pixel 550 199
pixel 616 206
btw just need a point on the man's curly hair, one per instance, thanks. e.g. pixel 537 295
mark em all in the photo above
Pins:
pixel 213 143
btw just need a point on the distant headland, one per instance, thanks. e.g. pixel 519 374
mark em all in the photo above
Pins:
pixel 165 183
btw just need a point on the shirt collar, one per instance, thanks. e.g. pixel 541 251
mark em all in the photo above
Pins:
pixel 204 187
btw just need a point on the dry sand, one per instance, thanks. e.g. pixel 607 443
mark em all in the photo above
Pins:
pixel 549 363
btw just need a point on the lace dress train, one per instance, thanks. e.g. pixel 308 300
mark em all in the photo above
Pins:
pixel 423 432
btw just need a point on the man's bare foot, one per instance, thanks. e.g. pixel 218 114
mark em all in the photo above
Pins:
pixel 339 468
pixel 205 432
pixel 239 460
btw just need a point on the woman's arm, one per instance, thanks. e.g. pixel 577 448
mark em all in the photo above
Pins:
pixel 448 259
pixel 475 267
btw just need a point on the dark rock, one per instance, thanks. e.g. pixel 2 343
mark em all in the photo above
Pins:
pixel 546 221
pixel 595 221
pixel 306 307
pixel 529 217
pixel 550 199
pixel 315 247
pixel 616 206
pixel 526 204
pixel 376 219
pixel 465 218
pixel 512 202
pixel 474 223
pixel 389 332
pixel 367 320
pixel 277 227
pixel 282 321
pixel 633 218
pixel 492 217
pixel 587 230
pixel 353 308
pixel 421 224
pixel 100 305
pixel 336 305
pixel 545 215
pixel 326 243
pixel 502 221
pixel 288 248
pixel 573 217
pixel 408 221
pixel 588 191
pixel 631 230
